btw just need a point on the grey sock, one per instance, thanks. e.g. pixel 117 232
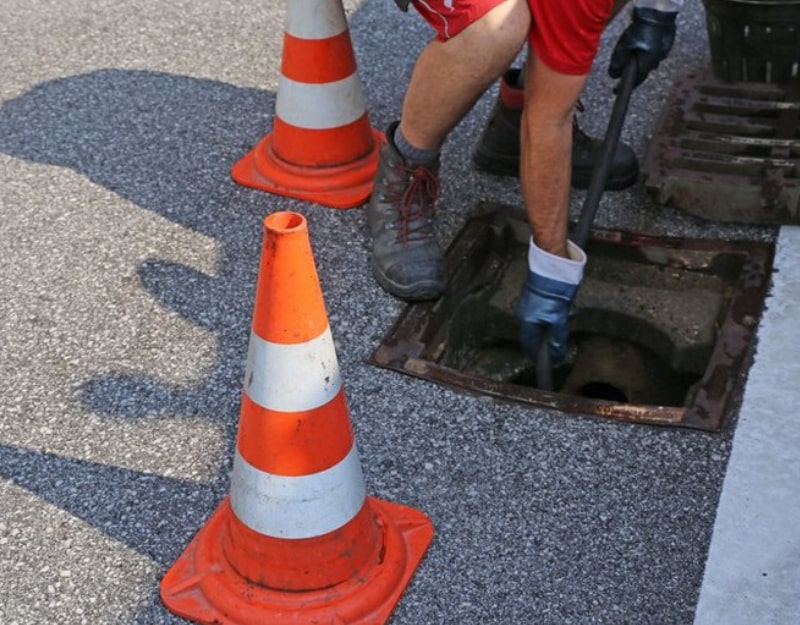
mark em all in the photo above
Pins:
pixel 414 154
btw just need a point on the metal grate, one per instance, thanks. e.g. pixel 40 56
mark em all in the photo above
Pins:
pixel 728 151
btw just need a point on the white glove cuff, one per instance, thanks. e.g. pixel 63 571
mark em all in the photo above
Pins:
pixel 568 270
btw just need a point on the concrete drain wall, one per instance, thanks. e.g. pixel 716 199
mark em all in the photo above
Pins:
pixel 661 333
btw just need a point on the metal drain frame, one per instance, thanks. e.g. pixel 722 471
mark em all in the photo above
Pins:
pixel 403 348
pixel 727 151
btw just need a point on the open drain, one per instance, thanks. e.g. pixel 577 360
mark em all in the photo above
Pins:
pixel 660 334
pixel 728 151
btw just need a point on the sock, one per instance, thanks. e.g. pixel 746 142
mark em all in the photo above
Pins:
pixel 414 154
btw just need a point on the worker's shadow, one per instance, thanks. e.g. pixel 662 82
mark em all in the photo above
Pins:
pixel 166 143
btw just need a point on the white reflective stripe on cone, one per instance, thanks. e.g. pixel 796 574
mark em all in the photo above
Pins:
pixel 315 19
pixel 292 377
pixel 297 507
pixel 320 106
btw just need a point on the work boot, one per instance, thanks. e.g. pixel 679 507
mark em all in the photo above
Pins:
pixel 497 151
pixel 406 260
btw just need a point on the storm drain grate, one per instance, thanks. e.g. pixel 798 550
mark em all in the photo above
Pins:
pixel 728 151
pixel 661 333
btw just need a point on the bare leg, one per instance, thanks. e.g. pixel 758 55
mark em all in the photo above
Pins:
pixel 450 76
pixel 546 151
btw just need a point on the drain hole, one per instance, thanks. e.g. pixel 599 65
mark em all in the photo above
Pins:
pixel 600 368
pixel 601 390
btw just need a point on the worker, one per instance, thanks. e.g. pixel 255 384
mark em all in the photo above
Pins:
pixel 476 42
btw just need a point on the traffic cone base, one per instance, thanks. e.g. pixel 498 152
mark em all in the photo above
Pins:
pixel 203 587
pixel 340 186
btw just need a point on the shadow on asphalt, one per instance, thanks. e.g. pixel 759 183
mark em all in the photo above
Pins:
pixel 150 513
pixel 166 143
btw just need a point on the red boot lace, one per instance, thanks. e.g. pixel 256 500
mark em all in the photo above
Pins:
pixel 415 201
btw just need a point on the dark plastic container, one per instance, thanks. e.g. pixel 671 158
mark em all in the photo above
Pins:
pixel 754 40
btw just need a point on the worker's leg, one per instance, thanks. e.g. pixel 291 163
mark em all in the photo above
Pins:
pixel 449 76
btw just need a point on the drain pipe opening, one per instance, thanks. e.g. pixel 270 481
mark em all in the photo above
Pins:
pixel 603 390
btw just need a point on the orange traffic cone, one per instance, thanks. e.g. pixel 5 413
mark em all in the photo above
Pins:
pixel 322 147
pixel 297 541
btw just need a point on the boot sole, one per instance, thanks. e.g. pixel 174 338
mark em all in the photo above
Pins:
pixel 502 166
pixel 418 292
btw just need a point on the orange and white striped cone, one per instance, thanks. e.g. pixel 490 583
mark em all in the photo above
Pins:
pixel 297 541
pixel 321 147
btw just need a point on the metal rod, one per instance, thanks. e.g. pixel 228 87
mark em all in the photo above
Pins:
pixel 600 173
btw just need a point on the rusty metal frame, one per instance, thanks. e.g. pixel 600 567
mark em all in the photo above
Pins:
pixel 404 348
pixel 727 151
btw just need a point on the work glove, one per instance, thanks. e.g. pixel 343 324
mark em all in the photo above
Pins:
pixel 648 39
pixel 545 303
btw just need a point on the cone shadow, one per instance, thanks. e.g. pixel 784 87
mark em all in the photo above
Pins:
pixel 153 515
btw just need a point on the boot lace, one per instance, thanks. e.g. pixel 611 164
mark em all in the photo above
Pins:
pixel 414 196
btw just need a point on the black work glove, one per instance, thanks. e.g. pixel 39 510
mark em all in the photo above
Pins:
pixel 648 38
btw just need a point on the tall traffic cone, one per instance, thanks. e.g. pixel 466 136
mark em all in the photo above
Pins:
pixel 297 540
pixel 321 147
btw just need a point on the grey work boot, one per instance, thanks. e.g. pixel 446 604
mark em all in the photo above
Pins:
pixel 406 259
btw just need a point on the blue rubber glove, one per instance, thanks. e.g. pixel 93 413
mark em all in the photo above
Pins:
pixel 546 299
pixel 648 38
pixel 545 304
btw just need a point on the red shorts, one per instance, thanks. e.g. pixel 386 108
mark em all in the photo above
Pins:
pixel 564 33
